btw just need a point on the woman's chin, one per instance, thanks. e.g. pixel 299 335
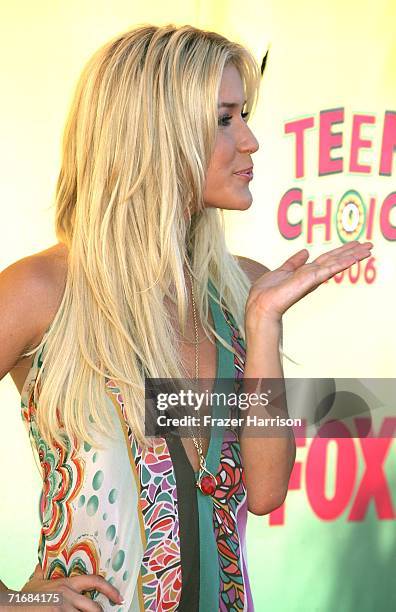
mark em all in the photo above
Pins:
pixel 242 204
pixel 235 204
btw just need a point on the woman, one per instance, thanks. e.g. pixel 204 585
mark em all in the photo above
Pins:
pixel 141 284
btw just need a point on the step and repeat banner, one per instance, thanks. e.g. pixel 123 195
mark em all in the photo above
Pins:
pixel 324 175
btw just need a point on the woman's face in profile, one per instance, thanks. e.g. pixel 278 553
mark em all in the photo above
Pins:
pixel 235 143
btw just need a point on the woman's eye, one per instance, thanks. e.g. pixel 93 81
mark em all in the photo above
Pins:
pixel 225 119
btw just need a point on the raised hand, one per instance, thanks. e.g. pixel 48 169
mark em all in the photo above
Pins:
pixel 274 292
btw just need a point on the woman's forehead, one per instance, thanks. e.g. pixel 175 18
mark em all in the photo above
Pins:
pixel 231 88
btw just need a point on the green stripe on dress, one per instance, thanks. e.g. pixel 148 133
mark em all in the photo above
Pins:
pixel 209 556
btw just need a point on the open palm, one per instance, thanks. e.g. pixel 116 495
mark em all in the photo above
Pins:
pixel 274 292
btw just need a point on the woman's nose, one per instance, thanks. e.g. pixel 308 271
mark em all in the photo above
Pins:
pixel 248 143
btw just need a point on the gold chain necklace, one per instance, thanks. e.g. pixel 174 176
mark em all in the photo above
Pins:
pixel 206 482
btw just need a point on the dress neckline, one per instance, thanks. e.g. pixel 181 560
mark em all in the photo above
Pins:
pixel 224 370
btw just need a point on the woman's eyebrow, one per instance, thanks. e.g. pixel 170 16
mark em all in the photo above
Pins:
pixel 231 104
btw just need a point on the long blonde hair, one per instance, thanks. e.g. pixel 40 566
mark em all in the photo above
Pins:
pixel 136 147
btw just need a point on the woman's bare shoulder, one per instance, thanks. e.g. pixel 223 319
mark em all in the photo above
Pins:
pixel 252 268
pixel 46 271
pixel 31 290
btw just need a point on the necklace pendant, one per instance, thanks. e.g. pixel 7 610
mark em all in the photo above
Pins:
pixel 206 483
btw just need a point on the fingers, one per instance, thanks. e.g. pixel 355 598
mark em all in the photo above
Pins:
pixel 346 249
pixel 329 264
pixel 295 261
pixel 72 588
pixel 347 260
pixel 75 601
pixel 344 260
pixel 88 582
pixel 300 258
pixel 339 263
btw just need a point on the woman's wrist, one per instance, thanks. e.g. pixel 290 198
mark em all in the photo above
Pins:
pixel 261 331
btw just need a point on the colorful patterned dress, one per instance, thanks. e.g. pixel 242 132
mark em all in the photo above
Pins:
pixel 138 519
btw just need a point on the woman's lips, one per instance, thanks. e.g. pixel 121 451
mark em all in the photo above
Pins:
pixel 248 175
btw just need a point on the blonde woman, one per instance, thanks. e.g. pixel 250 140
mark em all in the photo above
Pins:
pixel 141 284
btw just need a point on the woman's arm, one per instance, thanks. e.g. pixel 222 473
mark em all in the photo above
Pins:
pixel 268 460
